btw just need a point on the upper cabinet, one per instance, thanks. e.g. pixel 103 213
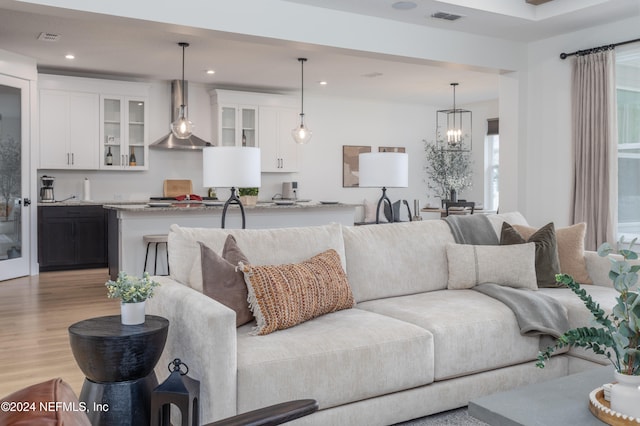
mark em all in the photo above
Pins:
pixel 257 119
pixel 279 152
pixel 123 133
pixel 69 129
pixel 93 124
pixel 235 118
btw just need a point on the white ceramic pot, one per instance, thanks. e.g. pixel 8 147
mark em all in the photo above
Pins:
pixel 132 313
pixel 625 395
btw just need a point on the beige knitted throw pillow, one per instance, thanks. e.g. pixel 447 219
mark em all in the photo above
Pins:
pixel 281 296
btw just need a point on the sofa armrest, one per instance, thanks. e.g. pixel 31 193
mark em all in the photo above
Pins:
pixel 202 333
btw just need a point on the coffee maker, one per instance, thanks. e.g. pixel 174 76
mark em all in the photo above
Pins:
pixel 46 190
pixel 289 190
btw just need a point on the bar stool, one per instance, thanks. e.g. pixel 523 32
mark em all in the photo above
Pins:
pixel 156 239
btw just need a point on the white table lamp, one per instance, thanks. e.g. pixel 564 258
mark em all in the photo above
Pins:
pixel 386 170
pixel 231 167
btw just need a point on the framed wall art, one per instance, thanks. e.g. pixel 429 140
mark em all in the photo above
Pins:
pixel 351 164
pixel 391 149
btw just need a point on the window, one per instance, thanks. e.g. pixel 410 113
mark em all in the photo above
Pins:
pixel 492 163
pixel 628 103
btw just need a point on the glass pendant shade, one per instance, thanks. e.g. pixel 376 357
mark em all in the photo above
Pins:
pixel 182 128
pixel 301 134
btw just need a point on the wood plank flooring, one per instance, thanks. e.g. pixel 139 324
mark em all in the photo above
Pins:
pixel 35 313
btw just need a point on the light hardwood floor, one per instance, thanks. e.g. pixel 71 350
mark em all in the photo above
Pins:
pixel 35 314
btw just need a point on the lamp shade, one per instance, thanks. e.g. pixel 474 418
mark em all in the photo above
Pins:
pixel 231 166
pixel 384 169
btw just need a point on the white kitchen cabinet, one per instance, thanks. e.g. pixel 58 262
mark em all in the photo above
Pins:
pixel 82 119
pixel 124 133
pixel 69 129
pixel 278 150
pixel 235 118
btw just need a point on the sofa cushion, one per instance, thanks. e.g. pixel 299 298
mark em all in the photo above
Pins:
pixel 338 358
pixel 396 259
pixel 570 249
pixel 512 266
pixel 512 218
pixel 222 281
pixel 261 246
pixel 49 392
pixel 482 334
pixel 547 263
pixel 282 296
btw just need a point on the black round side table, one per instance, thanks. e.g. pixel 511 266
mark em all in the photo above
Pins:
pixel 118 362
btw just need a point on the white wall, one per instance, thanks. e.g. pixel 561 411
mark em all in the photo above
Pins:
pixel 335 122
pixel 548 178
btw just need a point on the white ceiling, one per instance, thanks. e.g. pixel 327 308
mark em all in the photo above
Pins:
pixel 111 46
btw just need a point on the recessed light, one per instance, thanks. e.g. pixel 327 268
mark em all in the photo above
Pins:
pixel 322 83
pixel 210 72
pixel 69 56
pixel 404 5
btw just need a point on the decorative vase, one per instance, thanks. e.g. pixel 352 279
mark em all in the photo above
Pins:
pixel 132 313
pixel 453 196
pixel 249 200
pixel 625 395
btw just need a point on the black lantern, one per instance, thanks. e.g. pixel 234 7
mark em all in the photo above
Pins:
pixel 180 390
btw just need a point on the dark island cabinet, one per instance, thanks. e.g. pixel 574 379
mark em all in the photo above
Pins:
pixel 72 237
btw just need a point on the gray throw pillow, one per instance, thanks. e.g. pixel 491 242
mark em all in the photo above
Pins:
pixel 547 261
pixel 222 282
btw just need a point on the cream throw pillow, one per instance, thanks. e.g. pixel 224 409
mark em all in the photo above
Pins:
pixel 570 249
pixel 511 266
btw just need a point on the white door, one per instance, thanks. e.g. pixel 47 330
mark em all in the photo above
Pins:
pixel 14 177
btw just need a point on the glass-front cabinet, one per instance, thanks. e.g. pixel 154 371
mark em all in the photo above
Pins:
pixel 124 133
pixel 237 125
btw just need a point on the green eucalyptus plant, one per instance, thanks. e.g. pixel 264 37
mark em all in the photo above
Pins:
pixel 618 336
pixel 131 289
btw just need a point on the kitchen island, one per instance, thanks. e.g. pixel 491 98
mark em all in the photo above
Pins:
pixel 127 224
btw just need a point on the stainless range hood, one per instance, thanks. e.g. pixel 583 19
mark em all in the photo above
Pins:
pixel 170 141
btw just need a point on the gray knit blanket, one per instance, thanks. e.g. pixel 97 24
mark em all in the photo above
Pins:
pixel 537 314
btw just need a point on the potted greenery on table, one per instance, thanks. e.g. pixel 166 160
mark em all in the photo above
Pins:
pixel 618 337
pixel 248 196
pixel 449 171
pixel 133 293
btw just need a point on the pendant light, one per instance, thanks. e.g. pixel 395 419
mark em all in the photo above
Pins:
pixel 453 127
pixel 182 127
pixel 301 134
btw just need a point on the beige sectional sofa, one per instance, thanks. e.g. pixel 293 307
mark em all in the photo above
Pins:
pixel 409 348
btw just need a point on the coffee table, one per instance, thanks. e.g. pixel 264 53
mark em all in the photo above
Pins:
pixel 561 401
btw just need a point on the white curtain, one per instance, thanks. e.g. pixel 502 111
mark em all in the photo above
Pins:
pixel 595 146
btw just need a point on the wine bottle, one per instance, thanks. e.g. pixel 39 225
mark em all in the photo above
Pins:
pixel 244 139
pixel 109 158
pixel 132 157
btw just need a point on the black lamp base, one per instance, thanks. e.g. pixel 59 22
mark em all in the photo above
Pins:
pixel 385 199
pixel 233 199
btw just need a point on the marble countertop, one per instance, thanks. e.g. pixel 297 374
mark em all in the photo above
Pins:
pixel 158 206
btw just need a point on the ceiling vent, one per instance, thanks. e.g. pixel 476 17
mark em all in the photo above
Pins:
pixel 446 16
pixel 49 37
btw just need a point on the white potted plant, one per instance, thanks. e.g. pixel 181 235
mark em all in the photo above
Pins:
pixel 133 293
pixel 248 196
pixel 618 337
pixel 449 171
